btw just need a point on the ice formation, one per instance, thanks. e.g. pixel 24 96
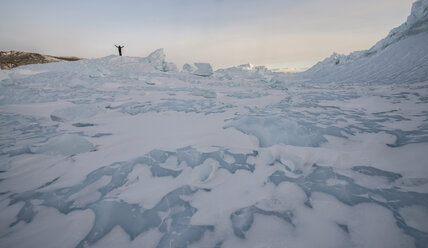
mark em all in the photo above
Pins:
pixel 203 69
pixel 404 50
pixel 66 144
pixel 129 152
pixel 157 59
pixel 189 68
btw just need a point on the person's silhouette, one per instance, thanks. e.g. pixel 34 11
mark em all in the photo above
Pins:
pixel 120 49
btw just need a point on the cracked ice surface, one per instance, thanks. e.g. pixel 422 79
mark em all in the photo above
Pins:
pixel 120 152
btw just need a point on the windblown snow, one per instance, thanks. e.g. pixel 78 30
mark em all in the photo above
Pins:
pixel 131 152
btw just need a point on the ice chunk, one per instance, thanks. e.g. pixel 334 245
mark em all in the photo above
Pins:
pixel 275 130
pixel 156 56
pixel 157 59
pixel 76 112
pixel 67 144
pixel 204 69
pixel 189 68
pixel 169 66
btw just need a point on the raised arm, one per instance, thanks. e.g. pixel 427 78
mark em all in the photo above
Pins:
pixel 116 46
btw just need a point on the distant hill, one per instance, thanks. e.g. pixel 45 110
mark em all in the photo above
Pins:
pixel 11 59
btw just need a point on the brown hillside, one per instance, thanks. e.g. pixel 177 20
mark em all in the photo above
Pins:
pixel 11 59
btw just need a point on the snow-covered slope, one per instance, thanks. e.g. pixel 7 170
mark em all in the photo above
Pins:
pixel 399 57
pixel 129 152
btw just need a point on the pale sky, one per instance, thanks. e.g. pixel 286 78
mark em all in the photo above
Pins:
pixel 275 33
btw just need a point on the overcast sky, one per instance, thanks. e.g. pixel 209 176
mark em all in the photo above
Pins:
pixel 276 33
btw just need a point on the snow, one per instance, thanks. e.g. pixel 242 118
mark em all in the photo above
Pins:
pixel 130 152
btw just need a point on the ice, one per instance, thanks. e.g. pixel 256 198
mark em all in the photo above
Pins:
pixel 416 217
pixel 367 170
pixel 403 50
pixel 157 59
pixel 247 71
pixel 189 68
pixel 244 218
pixel 67 230
pixel 204 172
pixel 205 93
pixel 74 113
pixel 353 194
pixel 127 152
pixel 66 145
pixel 118 237
pixel 275 130
pixel 416 23
pixel 206 106
pixel 92 193
pixel 376 232
pixel 203 69
pixel 80 124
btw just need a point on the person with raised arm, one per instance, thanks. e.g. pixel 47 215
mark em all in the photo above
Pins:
pixel 120 49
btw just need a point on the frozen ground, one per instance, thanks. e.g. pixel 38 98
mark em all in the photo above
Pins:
pixel 129 152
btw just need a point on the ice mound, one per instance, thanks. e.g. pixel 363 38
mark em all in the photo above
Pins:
pixel 75 113
pixel 66 145
pixel 204 69
pixel 157 59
